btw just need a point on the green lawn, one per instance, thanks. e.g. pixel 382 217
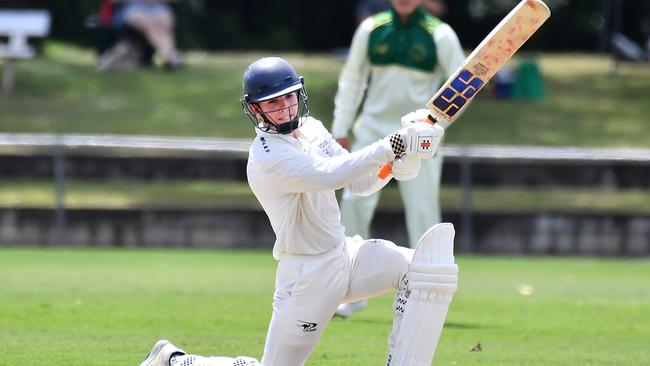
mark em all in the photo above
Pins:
pixel 214 194
pixel 106 307
pixel 63 93
pixel 587 104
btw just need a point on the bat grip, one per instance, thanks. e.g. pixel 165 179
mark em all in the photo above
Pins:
pixel 385 171
pixel 387 168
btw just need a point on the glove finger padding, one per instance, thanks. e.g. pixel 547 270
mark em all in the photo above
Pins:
pixel 406 167
pixel 420 115
pixel 423 139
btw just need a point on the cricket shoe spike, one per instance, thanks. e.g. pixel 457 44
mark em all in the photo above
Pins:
pixel 432 280
pixel 160 353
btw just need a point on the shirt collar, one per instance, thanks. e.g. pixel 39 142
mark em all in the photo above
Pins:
pixel 290 139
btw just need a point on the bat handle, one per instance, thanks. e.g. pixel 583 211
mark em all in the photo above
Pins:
pixel 385 171
pixel 387 168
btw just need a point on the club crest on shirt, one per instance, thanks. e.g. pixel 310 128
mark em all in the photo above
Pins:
pixel 381 48
pixel 325 147
pixel 418 52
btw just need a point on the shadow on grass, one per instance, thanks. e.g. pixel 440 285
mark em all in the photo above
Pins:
pixel 390 322
pixel 464 326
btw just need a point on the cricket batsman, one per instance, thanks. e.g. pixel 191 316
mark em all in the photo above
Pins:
pixel 294 168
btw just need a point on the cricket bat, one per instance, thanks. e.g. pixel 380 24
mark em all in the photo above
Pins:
pixel 481 65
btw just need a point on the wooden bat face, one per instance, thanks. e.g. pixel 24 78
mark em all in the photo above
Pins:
pixel 490 55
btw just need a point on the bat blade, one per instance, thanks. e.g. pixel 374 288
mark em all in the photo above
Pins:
pixel 487 58
pixel 481 65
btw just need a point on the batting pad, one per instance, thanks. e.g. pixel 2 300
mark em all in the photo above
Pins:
pixel 432 281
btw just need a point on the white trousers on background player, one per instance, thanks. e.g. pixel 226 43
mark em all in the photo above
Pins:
pixel 419 196
pixel 309 288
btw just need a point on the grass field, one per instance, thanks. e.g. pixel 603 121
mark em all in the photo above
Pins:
pixel 106 307
pixel 587 104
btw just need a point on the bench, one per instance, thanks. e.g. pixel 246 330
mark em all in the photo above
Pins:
pixel 17 26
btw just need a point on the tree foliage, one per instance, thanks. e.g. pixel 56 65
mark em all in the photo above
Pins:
pixel 580 25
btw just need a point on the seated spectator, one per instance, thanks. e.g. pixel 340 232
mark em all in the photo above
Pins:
pixel 142 27
pixel 155 19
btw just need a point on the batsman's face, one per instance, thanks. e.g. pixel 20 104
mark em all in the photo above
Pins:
pixel 405 8
pixel 281 109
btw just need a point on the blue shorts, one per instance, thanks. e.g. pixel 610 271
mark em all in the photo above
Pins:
pixel 148 8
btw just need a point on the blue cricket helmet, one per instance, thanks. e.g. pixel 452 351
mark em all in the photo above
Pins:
pixel 268 78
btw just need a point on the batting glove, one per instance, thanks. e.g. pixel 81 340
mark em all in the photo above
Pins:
pixel 420 115
pixel 418 138
pixel 406 167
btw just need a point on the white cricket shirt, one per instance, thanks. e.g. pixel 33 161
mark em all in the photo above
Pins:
pixel 294 180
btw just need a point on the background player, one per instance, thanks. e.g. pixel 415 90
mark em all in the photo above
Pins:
pixel 397 60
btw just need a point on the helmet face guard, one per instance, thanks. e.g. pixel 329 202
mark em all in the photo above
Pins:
pixel 269 78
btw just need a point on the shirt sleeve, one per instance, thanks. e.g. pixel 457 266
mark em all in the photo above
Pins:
pixel 352 81
pixel 450 52
pixel 366 185
pixel 293 171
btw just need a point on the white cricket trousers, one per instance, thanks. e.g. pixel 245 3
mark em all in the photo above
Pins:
pixel 309 288
pixel 420 198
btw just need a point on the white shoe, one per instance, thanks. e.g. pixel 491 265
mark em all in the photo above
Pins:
pixel 346 310
pixel 160 353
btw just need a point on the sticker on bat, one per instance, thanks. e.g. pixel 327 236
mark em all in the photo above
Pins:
pixel 459 91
